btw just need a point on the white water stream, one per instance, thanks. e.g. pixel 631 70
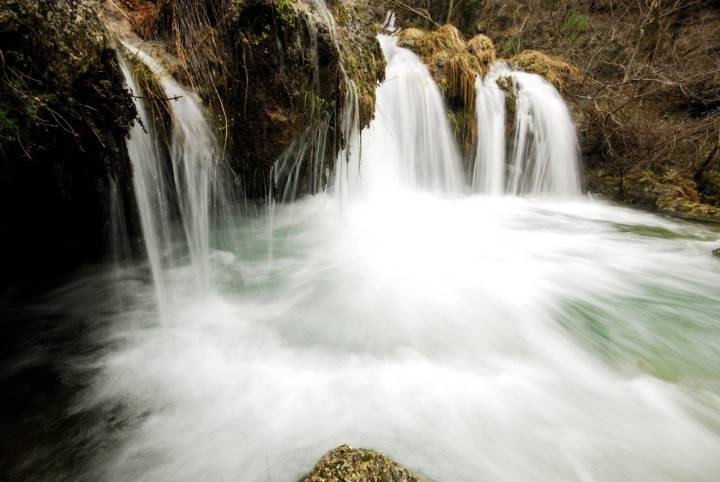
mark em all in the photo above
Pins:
pixel 193 182
pixel 543 154
pixel 470 337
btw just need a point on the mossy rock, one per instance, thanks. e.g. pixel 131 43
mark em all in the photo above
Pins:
pixel 277 74
pixel 669 192
pixel 346 464
pixel 64 116
pixel 453 62
pixel 555 70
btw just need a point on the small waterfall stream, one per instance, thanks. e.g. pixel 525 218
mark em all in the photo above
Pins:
pixel 195 185
pixel 410 142
pixel 150 186
pixel 489 168
pixel 543 156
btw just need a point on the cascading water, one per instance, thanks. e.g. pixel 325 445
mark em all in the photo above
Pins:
pixel 471 338
pixel 196 183
pixel 489 171
pixel 150 187
pixel 543 154
pixel 410 142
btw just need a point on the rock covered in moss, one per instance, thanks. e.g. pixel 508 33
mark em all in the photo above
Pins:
pixel 557 71
pixel 359 51
pixel 669 192
pixel 453 62
pixel 484 49
pixel 346 464
pixel 65 38
pixel 716 253
pixel 278 75
pixel 64 115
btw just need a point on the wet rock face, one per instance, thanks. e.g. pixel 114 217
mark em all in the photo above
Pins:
pixel 276 74
pixel 346 464
pixel 296 65
pixel 64 114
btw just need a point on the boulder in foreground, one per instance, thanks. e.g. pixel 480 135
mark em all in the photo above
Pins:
pixel 346 464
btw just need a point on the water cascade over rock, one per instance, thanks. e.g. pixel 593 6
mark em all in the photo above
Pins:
pixel 409 143
pixel 191 184
pixel 543 150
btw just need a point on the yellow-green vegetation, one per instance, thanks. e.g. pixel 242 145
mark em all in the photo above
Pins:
pixel 483 48
pixel 674 193
pixel 670 192
pixel 575 24
pixel 346 464
pixel 557 71
pixel 286 12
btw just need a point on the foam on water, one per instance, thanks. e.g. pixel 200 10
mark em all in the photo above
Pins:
pixel 437 331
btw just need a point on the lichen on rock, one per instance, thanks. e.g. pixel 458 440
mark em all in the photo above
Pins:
pixel 346 464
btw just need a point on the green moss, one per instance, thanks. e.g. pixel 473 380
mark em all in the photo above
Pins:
pixel 286 12
pixel 7 122
pixel 574 25
pixel 511 46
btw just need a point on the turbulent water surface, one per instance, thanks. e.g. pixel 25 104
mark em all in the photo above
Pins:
pixel 476 338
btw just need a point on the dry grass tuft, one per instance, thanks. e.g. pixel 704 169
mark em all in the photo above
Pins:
pixel 483 48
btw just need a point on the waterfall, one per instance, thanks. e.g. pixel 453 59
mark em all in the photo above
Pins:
pixel 543 155
pixel 150 186
pixel 489 172
pixel 410 141
pixel 193 185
